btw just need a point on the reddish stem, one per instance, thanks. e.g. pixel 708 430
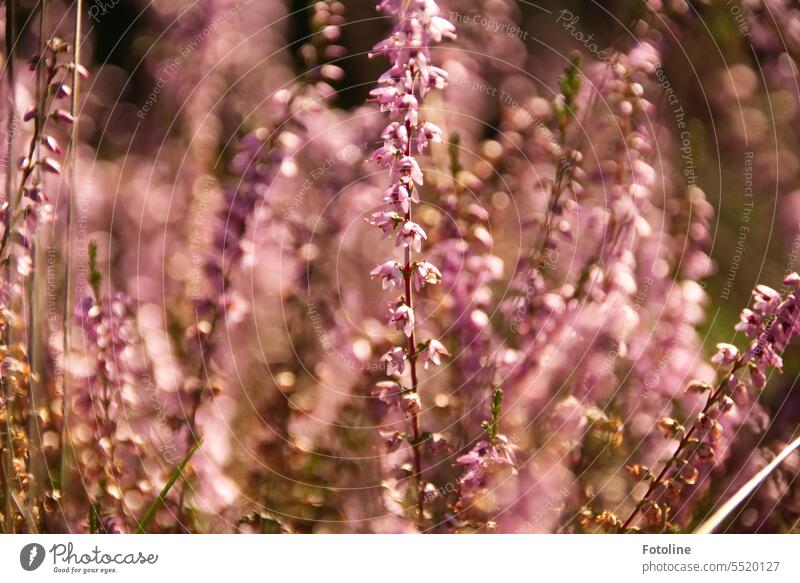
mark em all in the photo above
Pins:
pixel 412 358
pixel 681 446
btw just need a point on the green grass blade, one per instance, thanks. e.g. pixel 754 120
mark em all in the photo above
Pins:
pixel 733 502
pixel 162 496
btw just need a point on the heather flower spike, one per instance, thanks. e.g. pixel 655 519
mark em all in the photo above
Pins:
pixel 411 75
pixel 771 324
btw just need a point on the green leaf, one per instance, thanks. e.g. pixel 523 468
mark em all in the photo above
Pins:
pixel 569 85
pixel 94 519
pixel 162 496
pixel 455 163
pixel 492 427
pixel 95 277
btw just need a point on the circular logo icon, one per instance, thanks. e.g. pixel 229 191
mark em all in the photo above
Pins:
pixel 31 556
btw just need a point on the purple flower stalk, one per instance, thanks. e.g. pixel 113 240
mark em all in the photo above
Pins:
pixel 400 91
pixel 771 323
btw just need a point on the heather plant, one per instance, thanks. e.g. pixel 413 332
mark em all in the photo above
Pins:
pixel 414 267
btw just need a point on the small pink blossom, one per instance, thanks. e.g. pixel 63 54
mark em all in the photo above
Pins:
pixel 432 353
pixel 388 391
pixel 726 354
pixel 408 166
pixel 391 439
pixel 402 317
pixel 386 221
pixel 384 156
pixel 428 132
pixel 410 403
pixel 395 360
pixel 391 274
pixel 411 235
pixel 398 196
pixel 425 273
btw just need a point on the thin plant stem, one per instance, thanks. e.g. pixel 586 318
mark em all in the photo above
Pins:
pixel 715 396
pixel 73 190
pixel 36 349
pixel 6 467
pixel 416 446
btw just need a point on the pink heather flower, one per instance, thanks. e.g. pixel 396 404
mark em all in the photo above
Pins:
pixel 481 460
pixel 408 166
pixel 440 28
pixel 433 78
pixel 395 135
pixel 411 235
pixel 410 403
pixel 765 299
pixel 395 360
pixel 384 155
pixel 52 144
pixel 62 115
pixel 384 95
pixel 391 274
pixel 750 323
pixel 437 442
pixel 726 354
pixel 425 273
pixel 402 318
pixel 484 453
pixel 52 166
pixel 398 196
pixel 389 392
pixel 386 221
pixel 63 91
pixel 749 370
pixel 391 439
pixel 432 353
pixel 409 106
pixel 428 132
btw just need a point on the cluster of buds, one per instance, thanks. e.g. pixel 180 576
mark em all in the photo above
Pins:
pixel 108 343
pixel 257 164
pixel 323 50
pixel 43 151
pixel 770 323
pixel 486 458
pixel 24 208
pixel 400 91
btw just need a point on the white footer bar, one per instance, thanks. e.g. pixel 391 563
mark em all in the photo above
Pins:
pixel 401 558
